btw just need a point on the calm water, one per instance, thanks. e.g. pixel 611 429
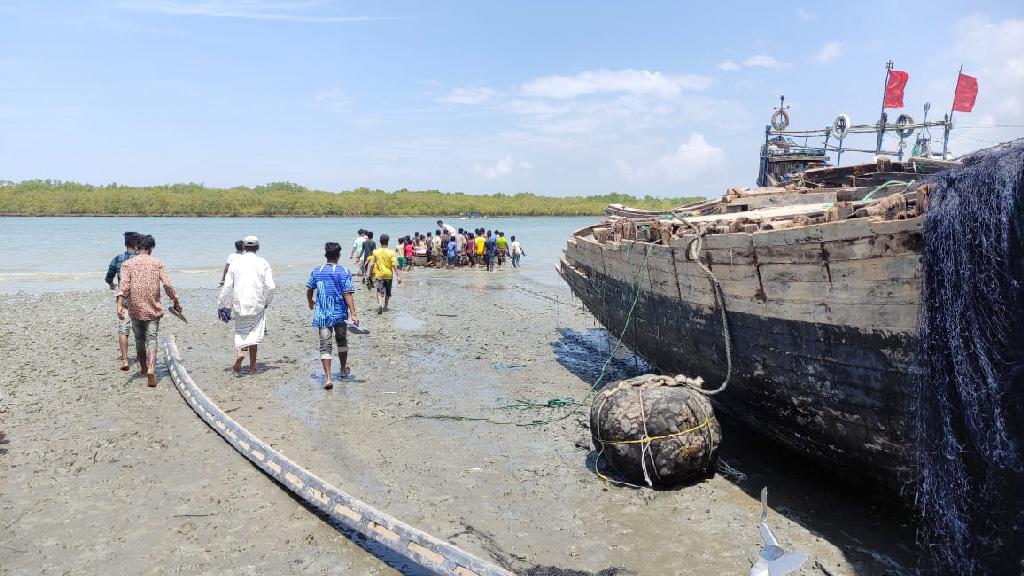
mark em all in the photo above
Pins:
pixel 57 254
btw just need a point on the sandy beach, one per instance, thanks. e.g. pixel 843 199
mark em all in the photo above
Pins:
pixel 100 474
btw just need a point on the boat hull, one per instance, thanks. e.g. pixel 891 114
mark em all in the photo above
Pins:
pixel 821 364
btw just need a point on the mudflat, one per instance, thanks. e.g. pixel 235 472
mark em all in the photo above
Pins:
pixel 99 473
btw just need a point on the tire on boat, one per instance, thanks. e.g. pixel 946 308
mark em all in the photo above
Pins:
pixel 653 430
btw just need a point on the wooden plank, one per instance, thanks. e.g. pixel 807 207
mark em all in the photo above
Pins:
pixel 761 214
pixel 851 229
pixel 867 292
pixel 765 201
pixel 895 317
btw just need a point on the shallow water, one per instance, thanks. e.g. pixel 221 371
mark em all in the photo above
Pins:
pixel 61 254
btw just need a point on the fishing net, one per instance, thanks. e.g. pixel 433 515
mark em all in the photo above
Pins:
pixel 970 488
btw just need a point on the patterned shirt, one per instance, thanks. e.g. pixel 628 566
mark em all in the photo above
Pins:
pixel 331 282
pixel 141 278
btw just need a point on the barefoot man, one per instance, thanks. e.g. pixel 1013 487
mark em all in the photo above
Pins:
pixel 329 295
pixel 141 279
pixel 248 290
pixel 124 325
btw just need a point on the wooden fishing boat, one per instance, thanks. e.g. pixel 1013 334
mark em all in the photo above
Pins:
pixel 820 283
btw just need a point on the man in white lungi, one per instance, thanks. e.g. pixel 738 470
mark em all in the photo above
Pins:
pixel 248 290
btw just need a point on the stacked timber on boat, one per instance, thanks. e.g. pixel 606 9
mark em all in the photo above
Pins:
pixel 821 286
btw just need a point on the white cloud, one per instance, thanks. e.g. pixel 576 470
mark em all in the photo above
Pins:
pixel 305 11
pixel 764 61
pixel 805 15
pixel 728 66
pixel 994 53
pixel 597 107
pixel 829 52
pixel 503 167
pixel 469 96
pixel 334 100
pixel 613 81
pixel 690 160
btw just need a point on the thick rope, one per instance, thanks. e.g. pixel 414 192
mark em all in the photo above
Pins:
pixel 693 253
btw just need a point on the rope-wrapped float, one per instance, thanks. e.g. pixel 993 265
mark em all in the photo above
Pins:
pixel 656 430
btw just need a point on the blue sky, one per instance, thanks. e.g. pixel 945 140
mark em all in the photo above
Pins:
pixel 556 98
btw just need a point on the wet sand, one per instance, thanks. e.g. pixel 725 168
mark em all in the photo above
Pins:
pixel 99 473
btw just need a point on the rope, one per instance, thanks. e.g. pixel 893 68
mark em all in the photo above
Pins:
pixel 647 439
pixel 577 404
pixel 644 446
pixel 887 184
pixel 693 253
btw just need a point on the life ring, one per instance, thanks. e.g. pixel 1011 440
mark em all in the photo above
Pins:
pixel 905 125
pixel 841 126
pixel 780 120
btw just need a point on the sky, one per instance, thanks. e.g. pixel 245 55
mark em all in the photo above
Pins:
pixel 555 98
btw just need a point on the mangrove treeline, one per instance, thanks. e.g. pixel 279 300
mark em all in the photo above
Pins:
pixel 53 197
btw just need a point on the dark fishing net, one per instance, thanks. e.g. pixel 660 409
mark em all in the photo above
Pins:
pixel 970 488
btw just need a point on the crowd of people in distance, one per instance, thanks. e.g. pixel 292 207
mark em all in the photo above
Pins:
pixel 247 288
pixel 445 247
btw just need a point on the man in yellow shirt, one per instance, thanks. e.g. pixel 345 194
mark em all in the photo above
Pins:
pixel 385 268
pixel 480 240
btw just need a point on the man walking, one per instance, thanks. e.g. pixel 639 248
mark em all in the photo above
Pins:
pixel 384 270
pixel 248 290
pixel 231 258
pixel 141 279
pixel 368 247
pixel 491 246
pixel 502 247
pixel 124 325
pixel 357 246
pixel 517 252
pixel 329 293
pixel 460 243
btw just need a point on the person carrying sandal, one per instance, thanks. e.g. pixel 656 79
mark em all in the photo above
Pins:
pixel 141 279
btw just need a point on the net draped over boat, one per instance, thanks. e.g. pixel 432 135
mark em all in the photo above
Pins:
pixel 970 400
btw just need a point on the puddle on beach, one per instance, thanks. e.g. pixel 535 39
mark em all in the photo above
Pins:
pixel 406 321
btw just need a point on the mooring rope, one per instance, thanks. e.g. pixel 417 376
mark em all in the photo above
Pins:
pixel 419 547
pixel 693 253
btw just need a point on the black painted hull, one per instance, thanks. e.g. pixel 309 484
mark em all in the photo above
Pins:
pixel 837 394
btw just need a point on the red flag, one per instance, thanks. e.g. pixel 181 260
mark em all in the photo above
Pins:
pixel 966 92
pixel 894 89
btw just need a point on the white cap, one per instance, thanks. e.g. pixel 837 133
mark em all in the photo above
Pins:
pixel 251 241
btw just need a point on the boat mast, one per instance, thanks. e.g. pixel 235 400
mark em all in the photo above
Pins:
pixel 882 118
pixel 949 119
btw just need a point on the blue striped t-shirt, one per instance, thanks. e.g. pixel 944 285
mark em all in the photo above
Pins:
pixel 331 282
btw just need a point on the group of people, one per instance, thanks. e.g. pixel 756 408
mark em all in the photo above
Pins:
pixel 246 291
pixel 247 288
pixel 446 247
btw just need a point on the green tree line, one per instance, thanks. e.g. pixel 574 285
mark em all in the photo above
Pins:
pixel 54 197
